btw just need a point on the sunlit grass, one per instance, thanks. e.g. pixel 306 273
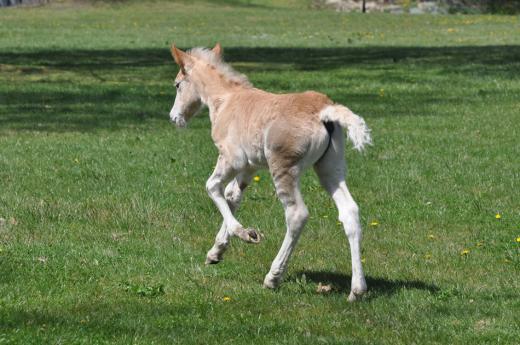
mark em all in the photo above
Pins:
pixel 104 218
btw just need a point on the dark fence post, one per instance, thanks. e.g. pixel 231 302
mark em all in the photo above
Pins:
pixel 5 3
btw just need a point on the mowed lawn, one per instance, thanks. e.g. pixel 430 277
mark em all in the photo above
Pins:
pixel 105 221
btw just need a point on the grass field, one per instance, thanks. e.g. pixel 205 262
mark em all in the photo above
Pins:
pixel 105 218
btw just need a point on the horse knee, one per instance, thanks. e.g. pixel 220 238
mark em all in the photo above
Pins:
pixel 213 187
pixel 233 193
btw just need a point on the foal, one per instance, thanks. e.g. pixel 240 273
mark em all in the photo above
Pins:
pixel 286 133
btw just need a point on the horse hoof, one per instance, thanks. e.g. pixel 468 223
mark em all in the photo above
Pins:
pixel 272 282
pixel 213 258
pixel 250 235
pixel 355 296
pixel 210 261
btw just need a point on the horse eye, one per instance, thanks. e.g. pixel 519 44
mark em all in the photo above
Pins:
pixel 177 84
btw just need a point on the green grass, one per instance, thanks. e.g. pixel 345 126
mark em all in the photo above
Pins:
pixel 107 221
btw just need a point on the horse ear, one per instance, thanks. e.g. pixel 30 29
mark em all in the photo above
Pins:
pixel 218 49
pixel 181 58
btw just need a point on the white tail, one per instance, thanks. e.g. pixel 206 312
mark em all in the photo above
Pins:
pixel 357 130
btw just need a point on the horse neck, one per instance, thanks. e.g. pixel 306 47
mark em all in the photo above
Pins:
pixel 213 91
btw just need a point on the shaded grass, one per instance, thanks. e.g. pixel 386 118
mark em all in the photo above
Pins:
pixel 99 192
pixel 97 77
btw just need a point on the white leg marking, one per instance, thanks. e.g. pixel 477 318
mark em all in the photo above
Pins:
pixel 349 216
pixel 222 174
pixel 331 171
pixel 233 194
pixel 296 215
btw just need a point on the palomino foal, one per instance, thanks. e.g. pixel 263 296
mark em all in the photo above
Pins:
pixel 286 133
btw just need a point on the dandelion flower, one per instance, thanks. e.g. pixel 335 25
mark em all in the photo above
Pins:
pixel 498 216
pixel 464 252
pixel 256 178
pixel 480 244
pixel 428 256
pixel 363 260
pixel 431 236
pixel 374 223
pixel 518 239
pixel 226 299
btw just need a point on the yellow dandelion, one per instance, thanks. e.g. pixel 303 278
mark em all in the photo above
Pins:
pixel 339 223
pixel 226 299
pixel 480 244
pixel 518 239
pixel 76 160
pixel 431 236
pixel 363 260
pixel 428 256
pixel 451 30
pixel 464 252
pixel 256 178
pixel 374 223
pixel 498 216
pixel 381 92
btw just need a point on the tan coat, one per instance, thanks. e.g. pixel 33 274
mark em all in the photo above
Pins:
pixel 286 133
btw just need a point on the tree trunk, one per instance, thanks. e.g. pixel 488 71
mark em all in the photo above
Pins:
pixel 364 6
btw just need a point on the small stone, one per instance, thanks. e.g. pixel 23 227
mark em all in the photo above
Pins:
pixel 323 288
pixel 42 259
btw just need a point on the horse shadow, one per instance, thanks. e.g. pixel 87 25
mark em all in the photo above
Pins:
pixel 377 287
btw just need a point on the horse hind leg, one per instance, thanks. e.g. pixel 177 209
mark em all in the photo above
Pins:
pixel 331 172
pixel 296 215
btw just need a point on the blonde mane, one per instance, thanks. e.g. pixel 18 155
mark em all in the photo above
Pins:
pixel 216 61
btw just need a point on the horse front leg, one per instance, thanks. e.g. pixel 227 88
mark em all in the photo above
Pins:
pixel 222 174
pixel 233 194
